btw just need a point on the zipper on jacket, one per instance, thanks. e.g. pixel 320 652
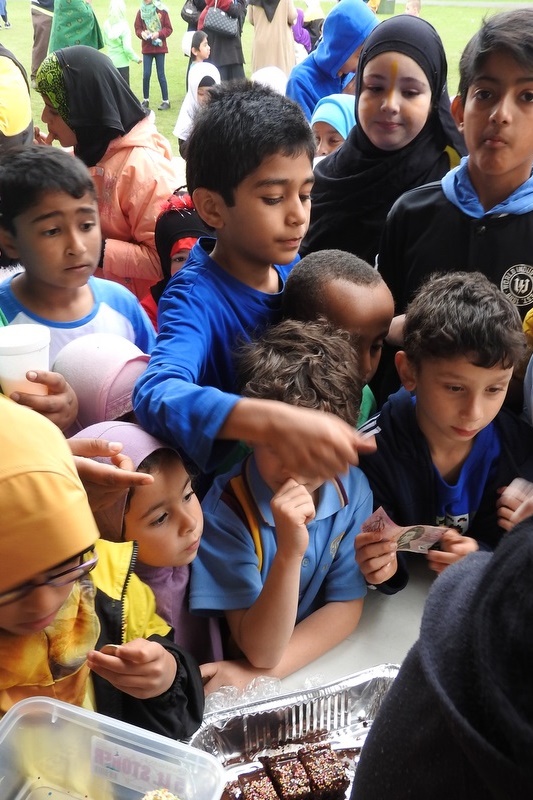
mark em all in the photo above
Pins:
pixel 131 568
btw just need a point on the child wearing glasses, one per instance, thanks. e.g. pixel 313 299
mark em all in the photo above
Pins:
pixel 75 623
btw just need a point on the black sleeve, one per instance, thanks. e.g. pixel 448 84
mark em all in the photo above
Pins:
pixel 177 713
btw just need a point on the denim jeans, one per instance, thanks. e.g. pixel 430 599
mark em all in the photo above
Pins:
pixel 148 59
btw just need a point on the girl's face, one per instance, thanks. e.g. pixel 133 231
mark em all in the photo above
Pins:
pixel 395 100
pixel 178 260
pixel 201 53
pixel 57 126
pixel 165 517
pixel 35 611
pixel 327 138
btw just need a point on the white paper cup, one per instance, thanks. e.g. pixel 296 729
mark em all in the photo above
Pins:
pixel 23 348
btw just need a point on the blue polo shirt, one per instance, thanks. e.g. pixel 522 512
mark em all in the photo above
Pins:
pixel 239 543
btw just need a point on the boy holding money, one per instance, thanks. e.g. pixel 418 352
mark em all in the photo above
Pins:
pixel 446 445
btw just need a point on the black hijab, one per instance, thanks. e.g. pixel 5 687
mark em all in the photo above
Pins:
pixel 357 184
pixel 268 6
pixel 101 105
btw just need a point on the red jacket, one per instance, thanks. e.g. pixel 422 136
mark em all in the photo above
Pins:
pixel 164 32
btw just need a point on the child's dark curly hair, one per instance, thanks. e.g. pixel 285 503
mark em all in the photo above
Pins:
pixel 308 364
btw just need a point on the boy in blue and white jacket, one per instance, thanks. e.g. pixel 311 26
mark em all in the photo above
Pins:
pixel 49 222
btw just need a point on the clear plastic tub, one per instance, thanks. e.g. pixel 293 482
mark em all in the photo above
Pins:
pixel 50 750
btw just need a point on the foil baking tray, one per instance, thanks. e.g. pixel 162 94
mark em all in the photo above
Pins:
pixel 339 713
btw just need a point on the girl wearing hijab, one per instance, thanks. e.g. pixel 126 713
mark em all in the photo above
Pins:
pixel 74 22
pixel 301 36
pixel 404 137
pixel 153 27
pixel 90 107
pixel 202 75
pixel 332 121
pixel 273 42
pixel 177 230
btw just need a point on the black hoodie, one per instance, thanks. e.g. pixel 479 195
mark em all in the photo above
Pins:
pixel 402 477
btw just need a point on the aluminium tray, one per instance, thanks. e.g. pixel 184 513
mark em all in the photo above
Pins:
pixel 339 713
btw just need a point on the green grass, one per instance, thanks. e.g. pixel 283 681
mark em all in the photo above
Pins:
pixel 455 24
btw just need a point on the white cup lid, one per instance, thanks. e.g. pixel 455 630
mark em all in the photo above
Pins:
pixel 18 339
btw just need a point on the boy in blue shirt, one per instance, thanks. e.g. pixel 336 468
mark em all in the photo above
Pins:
pixel 446 446
pixel 49 222
pixel 249 171
pixel 277 554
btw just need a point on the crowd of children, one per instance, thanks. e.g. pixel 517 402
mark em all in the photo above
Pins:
pixel 206 523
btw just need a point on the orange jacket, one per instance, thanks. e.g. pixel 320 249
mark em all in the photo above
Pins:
pixel 133 179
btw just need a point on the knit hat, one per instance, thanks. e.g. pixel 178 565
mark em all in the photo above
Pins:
pixel 138 445
pixel 178 219
pixel 102 368
pixel 46 518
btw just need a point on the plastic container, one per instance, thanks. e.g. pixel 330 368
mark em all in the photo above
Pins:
pixel 23 348
pixel 50 750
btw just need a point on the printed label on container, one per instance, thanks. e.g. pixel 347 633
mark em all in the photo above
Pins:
pixel 135 770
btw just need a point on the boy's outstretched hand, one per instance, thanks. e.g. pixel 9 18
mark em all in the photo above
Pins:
pixel 375 556
pixel 292 508
pixel 453 546
pixel 139 668
pixel 310 443
pixel 60 405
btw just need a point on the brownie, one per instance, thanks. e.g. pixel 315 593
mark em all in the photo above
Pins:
pixel 325 771
pixel 288 776
pixel 257 786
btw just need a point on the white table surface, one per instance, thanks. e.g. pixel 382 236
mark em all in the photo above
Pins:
pixel 388 627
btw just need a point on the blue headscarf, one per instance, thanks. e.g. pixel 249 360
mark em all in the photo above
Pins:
pixel 338 110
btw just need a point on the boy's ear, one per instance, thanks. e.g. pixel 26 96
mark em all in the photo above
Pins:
pixel 458 110
pixel 8 243
pixel 210 206
pixel 405 370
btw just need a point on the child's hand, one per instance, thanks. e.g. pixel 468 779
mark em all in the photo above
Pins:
pixel 453 546
pixel 237 673
pixel 292 508
pixel 40 138
pixel 139 668
pixel 315 443
pixel 515 503
pixel 375 556
pixel 105 483
pixel 60 405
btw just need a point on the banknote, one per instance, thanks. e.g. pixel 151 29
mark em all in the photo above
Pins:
pixel 412 538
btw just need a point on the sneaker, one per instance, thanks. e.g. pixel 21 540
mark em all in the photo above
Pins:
pixel 7 25
pixel 145 104
pixel 165 105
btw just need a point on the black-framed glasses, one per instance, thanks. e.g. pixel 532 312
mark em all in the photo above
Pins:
pixel 87 561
